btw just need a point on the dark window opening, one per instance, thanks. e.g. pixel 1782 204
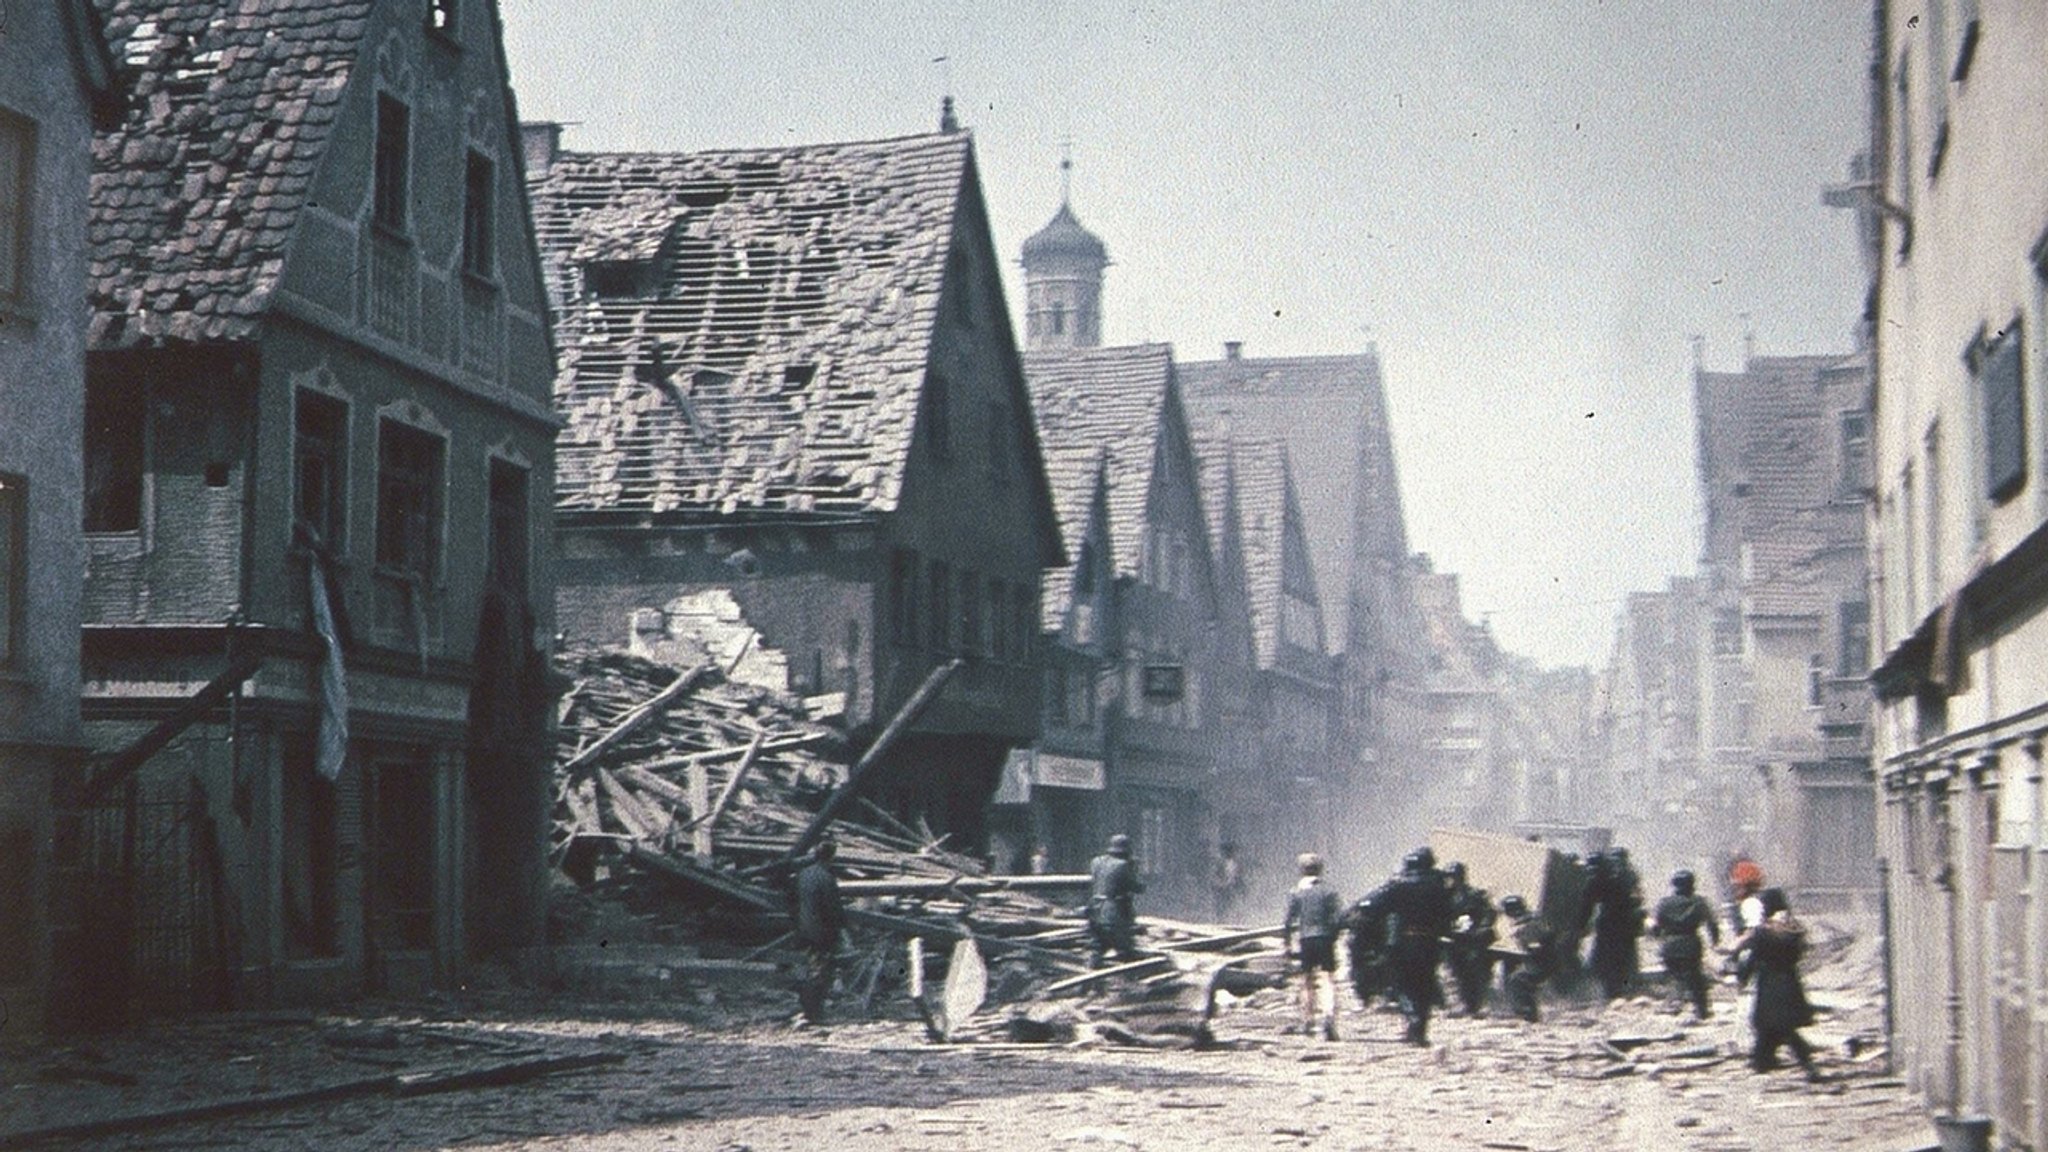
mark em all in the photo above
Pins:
pixel 939 585
pixel 13 565
pixel 17 171
pixel 1816 679
pixel 938 416
pixel 401 910
pixel 508 546
pixel 999 464
pixel 1059 319
pixel 394 153
pixel 797 377
pixel 999 620
pixel 1855 476
pixel 478 187
pixel 972 640
pixel 2005 418
pixel 903 597
pixel 114 439
pixel 18 960
pixel 408 499
pixel 1855 639
pixel 1056 695
pixel 321 448
pixel 310 844
pixel 216 473
pixel 1727 633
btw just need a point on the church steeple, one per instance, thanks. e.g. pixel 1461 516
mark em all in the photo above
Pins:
pixel 1063 265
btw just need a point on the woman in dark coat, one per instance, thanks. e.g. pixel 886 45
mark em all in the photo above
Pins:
pixel 1775 948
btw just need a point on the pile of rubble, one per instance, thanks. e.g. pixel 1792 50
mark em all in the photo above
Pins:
pixel 693 796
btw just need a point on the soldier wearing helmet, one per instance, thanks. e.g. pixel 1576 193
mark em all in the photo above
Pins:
pixel 1677 924
pixel 1471 940
pixel 1112 913
pixel 1533 961
pixel 1417 905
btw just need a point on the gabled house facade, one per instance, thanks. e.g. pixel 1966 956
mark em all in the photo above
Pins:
pixel 1161 736
pixel 1055 793
pixel 790 372
pixel 318 455
pixel 1331 412
pixel 56 80
pixel 1276 792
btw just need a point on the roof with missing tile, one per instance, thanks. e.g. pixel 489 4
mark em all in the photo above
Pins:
pixel 1099 408
pixel 195 192
pixel 745 330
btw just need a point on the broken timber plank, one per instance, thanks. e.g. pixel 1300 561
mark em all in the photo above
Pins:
pixel 739 773
pixel 700 801
pixel 940 885
pixel 647 781
pixel 904 717
pixel 711 756
pixel 627 809
pixel 632 720
pixel 1128 968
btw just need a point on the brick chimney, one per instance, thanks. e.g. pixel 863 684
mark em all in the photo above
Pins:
pixel 1233 349
pixel 541 141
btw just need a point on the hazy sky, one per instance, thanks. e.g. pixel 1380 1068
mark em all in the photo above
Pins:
pixel 1530 208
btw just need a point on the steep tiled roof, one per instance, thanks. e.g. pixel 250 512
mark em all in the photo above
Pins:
pixel 1100 405
pixel 195 193
pixel 745 330
pixel 1767 457
pixel 1331 412
pixel 1256 469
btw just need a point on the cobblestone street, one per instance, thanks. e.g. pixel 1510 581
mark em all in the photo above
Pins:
pixel 716 1068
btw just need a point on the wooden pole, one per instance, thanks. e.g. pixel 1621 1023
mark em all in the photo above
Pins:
pixel 905 716
pixel 632 721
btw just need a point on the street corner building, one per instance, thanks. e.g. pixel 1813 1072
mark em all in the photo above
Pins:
pixel 56 82
pixel 788 373
pixel 1959 552
pixel 318 456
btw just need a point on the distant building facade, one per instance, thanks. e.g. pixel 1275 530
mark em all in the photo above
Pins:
pixel 1783 463
pixel 318 452
pixel 1647 726
pixel 790 372
pixel 1959 550
pixel 1277 690
pixel 56 78
pixel 1331 412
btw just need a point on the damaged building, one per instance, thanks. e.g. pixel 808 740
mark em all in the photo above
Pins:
pixel 317 457
pixel 789 372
